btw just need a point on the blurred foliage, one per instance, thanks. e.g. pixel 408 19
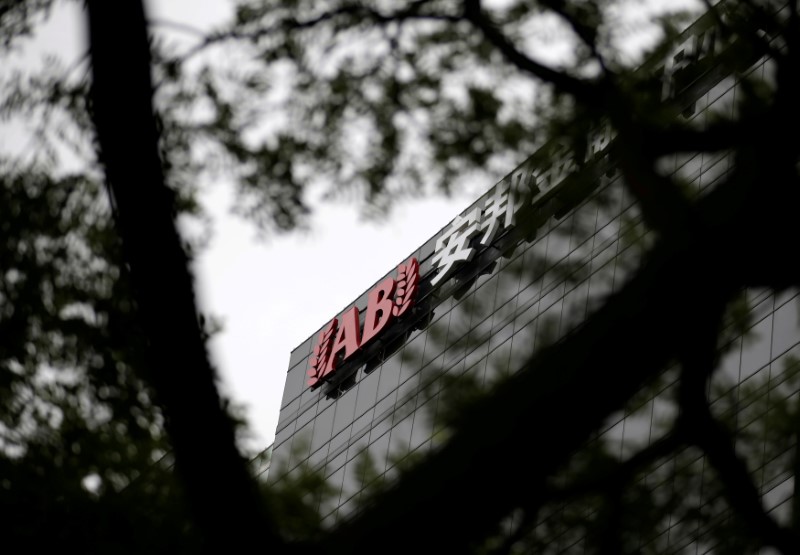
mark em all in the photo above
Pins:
pixel 77 420
pixel 372 101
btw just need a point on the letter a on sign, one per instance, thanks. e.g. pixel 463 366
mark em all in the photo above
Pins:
pixel 379 309
pixel 348 338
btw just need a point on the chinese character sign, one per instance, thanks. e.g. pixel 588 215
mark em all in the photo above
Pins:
pixel 453 248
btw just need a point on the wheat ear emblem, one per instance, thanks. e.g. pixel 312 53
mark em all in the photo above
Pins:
pixel 322 351
pixel 407 281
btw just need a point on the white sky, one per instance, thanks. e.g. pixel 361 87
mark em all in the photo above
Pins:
pixel 274 295
pixel 270 295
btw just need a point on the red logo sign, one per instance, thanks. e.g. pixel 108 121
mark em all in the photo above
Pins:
pixel 387 301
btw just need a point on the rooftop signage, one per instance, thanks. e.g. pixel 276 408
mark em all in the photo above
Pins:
pixel 453 247
pixel 544 171
pixel 529 186
pixel 526 188
pixel 339 341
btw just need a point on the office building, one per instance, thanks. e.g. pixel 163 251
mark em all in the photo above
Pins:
pixel 516 271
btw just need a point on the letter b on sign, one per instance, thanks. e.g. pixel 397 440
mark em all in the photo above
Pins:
pixel 379 309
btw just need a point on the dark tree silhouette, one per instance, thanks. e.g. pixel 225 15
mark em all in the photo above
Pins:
pixel 481 489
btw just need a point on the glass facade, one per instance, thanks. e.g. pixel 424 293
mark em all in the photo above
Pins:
pixel 519 295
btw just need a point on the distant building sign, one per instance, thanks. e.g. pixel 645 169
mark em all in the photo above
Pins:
pixel 531 180
pixel 339 341
pixel 528 186
pixel 541 174
pixel 453 247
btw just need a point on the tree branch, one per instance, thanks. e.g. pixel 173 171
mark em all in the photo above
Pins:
pixel 710 436
pixel 608 481
pixel 717 136
pixel 586 92
pixel 623 472
pixel 664 207
pixel 586 32
pixel 176 25
pixel 634 333
pixel 747 26
pixel 357 10
pixel 698 360
pixel 226 501
pixel 527 523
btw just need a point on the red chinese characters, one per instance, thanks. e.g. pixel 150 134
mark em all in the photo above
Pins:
pixel 340 340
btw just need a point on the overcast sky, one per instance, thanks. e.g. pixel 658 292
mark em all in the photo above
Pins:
pixel 271 295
